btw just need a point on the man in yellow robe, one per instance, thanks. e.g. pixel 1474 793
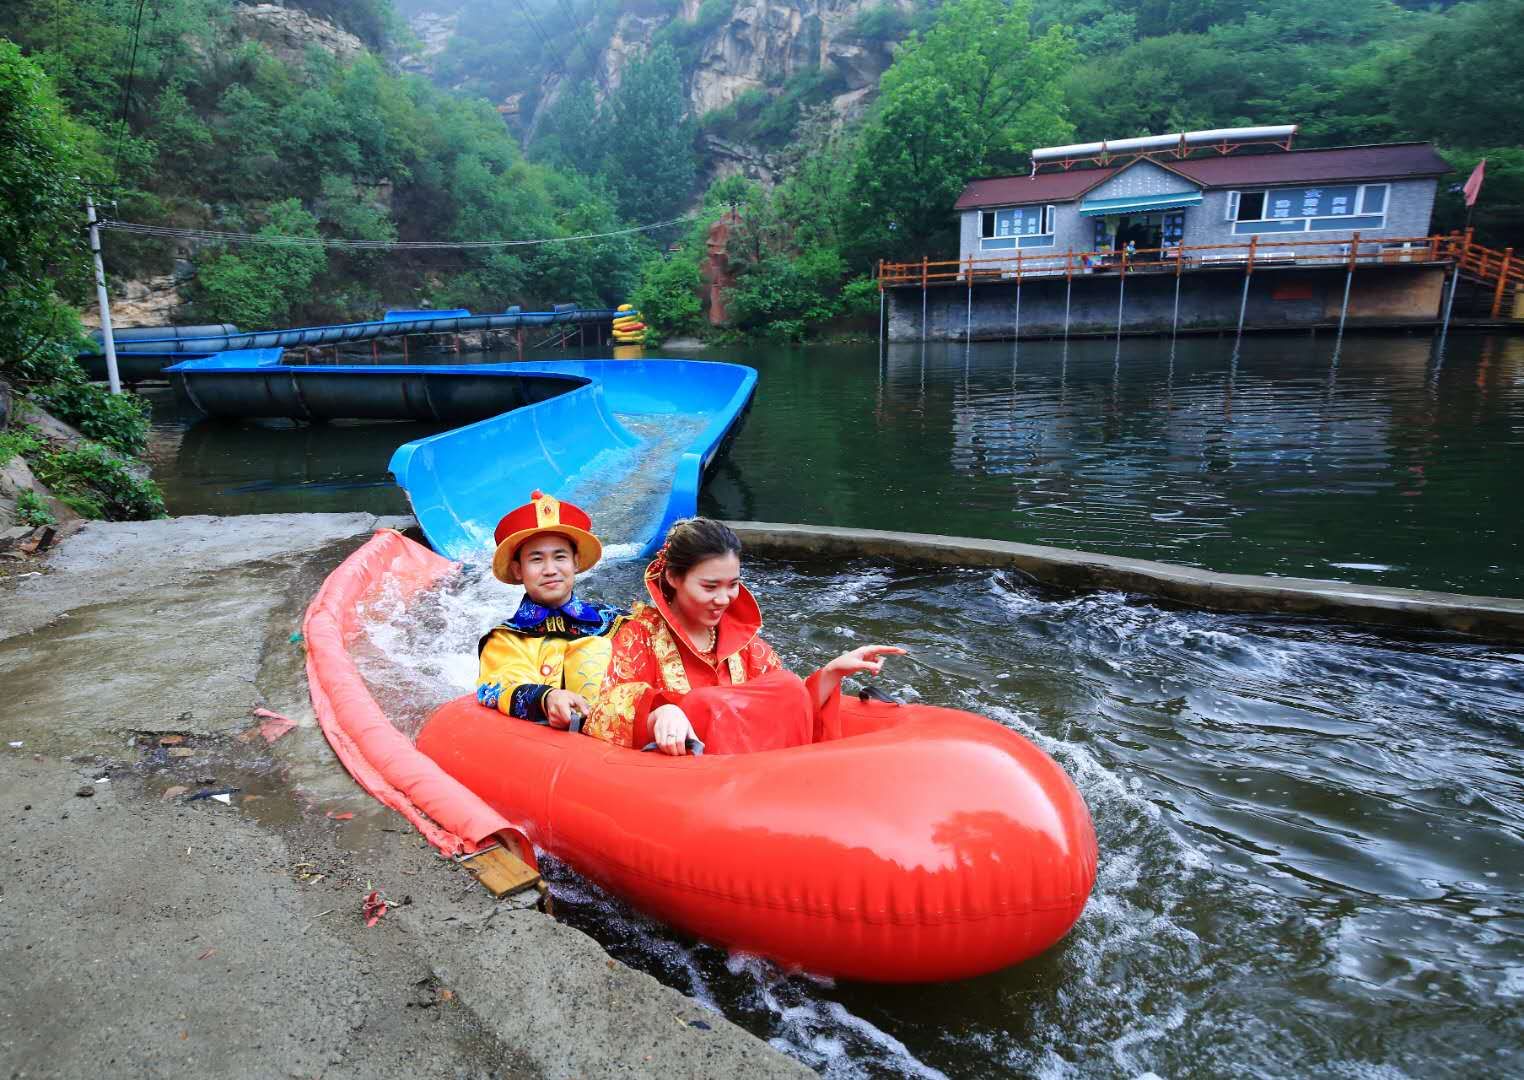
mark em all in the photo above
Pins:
pixel 546 663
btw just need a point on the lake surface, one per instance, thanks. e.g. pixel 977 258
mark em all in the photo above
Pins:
pixel 1384 465
pixel 1311 836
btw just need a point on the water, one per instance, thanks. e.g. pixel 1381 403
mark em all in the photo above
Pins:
pixel 1383 466
pixel 1311 836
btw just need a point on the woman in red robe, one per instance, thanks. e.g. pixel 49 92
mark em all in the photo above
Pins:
pixel 690 665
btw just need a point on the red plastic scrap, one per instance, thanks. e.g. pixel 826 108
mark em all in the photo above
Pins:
pixel 275 725
pixel 373 908
pixel 346 816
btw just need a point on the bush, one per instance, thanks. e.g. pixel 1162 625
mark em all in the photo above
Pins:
pixel 781 296
pixel 94 482
pixel 31 510
pixel 860 296
pixel 668 294
pixel 118 420
pixel 22 439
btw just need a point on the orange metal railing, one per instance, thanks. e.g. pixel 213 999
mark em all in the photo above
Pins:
pixel 1498 269
pixel 1486 266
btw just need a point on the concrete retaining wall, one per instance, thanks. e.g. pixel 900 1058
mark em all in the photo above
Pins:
pixel 1282 298
pixel 1492 618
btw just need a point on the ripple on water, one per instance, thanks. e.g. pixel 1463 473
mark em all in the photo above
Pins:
pixel 1312 838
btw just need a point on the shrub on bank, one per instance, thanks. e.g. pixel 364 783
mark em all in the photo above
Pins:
pixel 118 420
pixel 91 480
pixel 668 294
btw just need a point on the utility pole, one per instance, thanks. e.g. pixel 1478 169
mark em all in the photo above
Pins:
pixel 108 338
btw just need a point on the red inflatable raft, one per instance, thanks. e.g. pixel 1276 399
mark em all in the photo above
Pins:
pixel 922 844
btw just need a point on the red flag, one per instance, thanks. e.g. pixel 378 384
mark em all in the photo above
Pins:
pixel 1473 186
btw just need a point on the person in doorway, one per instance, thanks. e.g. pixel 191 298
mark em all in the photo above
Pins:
pixel 690 670
pixel 546 663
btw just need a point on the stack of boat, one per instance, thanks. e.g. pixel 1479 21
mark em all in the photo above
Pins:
pixel 628 328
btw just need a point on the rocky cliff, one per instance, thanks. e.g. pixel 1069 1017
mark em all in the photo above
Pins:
pixel 290 32
pixel 747 46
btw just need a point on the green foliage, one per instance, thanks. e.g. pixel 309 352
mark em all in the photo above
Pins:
pixel 782 295
pixel 668 294
pixel 860 297
pixel 1466 77
pixel 685 39
pixel 886 22
pixel 118 420
pixel 31 510
pixel 572 135
pixel 42 247
pixel 1500 210
pixel 21 439
pixel 650 166
pixel 93 481
pixel 967 98
pixel 259 284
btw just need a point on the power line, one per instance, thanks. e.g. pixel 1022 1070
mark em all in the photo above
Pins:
pixel 132 64
pixel 226 237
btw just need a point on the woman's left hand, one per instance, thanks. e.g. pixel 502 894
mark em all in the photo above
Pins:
pixel 864 658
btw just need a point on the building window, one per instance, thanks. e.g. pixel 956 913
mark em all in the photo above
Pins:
pixel 1337 207
pixel 1021 226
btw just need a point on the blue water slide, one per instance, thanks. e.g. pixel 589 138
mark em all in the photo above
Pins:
pixel 563 426
pixel 404 323
pixel 461 482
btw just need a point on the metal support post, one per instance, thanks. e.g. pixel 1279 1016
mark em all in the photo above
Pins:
pixel 1174 327
pixel 1068 289
pixel 1444 326
pixel 1121 296
pixel 1243 303
pixel 1349 280
pixel 968 316
pixel 108 336
pixel 1018 300
pixel 923 299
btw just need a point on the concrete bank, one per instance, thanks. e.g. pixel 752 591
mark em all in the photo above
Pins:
pixel 1489 617
pixel 145 933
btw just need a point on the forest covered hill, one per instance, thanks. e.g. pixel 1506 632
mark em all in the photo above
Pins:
pixel 841 129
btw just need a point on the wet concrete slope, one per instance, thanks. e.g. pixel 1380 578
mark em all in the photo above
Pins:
pixel 145 931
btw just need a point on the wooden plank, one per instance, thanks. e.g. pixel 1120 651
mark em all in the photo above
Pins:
pixel 501 872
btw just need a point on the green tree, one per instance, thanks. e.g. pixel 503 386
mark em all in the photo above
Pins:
pixel 572 135
pixel 1467 78
pixel 42 246
pixel 965 99
pixel 650 166
pixel 257 286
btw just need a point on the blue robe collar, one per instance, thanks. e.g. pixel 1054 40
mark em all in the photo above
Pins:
pixel 575 618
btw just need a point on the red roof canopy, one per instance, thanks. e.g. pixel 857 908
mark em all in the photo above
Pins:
pixel 1389 161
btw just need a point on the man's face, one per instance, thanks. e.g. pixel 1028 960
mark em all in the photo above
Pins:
pixel 546 566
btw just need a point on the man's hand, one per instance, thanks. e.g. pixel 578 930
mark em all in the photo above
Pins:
pixel 559 706
pixel 671 730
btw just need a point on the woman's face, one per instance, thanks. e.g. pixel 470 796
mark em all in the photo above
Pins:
pixel 704 592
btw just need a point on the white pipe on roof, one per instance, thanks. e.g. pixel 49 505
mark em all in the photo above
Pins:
pixel 1233 135
pixel 1143 143
pixel 1049 153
